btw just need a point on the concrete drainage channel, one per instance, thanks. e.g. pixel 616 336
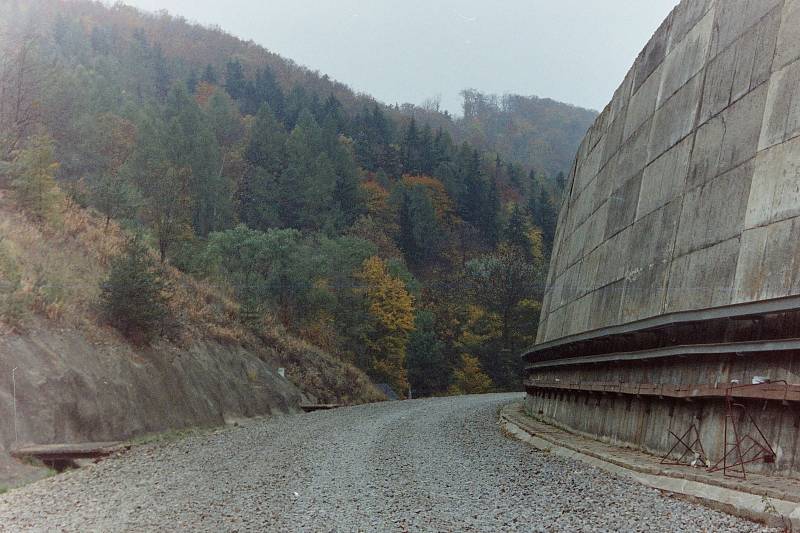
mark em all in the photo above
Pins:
pixel 752 503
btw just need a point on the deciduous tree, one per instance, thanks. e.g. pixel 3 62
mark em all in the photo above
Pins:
pixel 470 378
pixel 391 308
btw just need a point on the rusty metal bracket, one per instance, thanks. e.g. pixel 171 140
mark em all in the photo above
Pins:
pixel 693 448
pixel 757 448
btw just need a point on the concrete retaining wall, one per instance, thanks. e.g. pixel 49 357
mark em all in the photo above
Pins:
pixel 684 194
pixel 644 423
pixel 71 390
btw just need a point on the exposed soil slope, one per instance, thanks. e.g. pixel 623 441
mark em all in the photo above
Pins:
pixel 78 380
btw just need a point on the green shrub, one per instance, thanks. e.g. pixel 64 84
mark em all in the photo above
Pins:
pixel 14 304
pixel 134 296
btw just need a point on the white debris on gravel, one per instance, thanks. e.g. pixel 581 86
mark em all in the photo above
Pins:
pixel 422 465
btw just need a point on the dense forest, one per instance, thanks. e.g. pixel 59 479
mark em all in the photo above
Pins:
pixel 537 133
pixel 406 242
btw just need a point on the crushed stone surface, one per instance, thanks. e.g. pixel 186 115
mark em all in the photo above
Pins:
pixel 422 465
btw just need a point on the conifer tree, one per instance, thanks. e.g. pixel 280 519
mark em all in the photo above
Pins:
pixel 490 214
pixel 35 169
pixel 268 91
pixel 210 75
pixel 561 182
pixel 224 119
pixel 517 232
pixel 133 297
pixel 410 152
pixel 428 372
pixel 235 82
pixel 192 81
pixel 267 146
pixel 191 144
pixel 547 218
pixel 473 189
pixel 426 151
pixel 441 151
pixel 162 76
pixel 420 233
pixel 302 191
pixel 267 159
pixel 373 142
pixel 115 197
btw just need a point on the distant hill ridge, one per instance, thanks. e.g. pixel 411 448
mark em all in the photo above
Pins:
pixel 535 132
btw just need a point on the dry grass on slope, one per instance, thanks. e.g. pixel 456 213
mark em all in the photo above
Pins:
pixel 54 270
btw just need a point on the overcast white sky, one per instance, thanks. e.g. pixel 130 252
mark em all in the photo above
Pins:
pixel 576 51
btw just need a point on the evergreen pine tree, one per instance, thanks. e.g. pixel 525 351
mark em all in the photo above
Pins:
pixel 548 217
pixel 517 231
pixel 210 75
pixel 133 297
pixel 192 144
pixel 267 147
pixel 473 190
pixel 161 73
pixel 302 192
pixel 561 184
pixel 426 151
pixel 35 169
pixel 490 223
pixel 420 235
pixel 115 197
pixel 410 153
pixel 192 81
pixel 235 82
pixel 428 371
pixel 405 223
pixel 269 91
pixel 266 156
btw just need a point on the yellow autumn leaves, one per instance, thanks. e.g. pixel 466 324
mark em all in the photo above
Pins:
pixel 391 307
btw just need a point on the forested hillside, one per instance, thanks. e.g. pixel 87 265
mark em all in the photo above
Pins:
pixel 538 133
pixel 413 249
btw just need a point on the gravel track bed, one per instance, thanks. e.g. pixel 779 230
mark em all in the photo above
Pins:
pixel 422 465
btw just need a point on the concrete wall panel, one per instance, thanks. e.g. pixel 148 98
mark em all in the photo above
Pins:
pixel 664 179
pixel 642 104
pixel 687 188
pixel 789 37
pixel 622 206
pixel 715 211
pixel 782 116
pixel 685 17
pixel 769 262
pixel 775 190
pixel 734 17
pixel 686 58
pixel 742 123
pixel 703 278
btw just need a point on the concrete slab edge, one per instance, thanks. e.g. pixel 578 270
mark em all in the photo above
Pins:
pixel 770 511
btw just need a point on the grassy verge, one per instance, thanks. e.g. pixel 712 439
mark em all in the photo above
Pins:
pixel 172 435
